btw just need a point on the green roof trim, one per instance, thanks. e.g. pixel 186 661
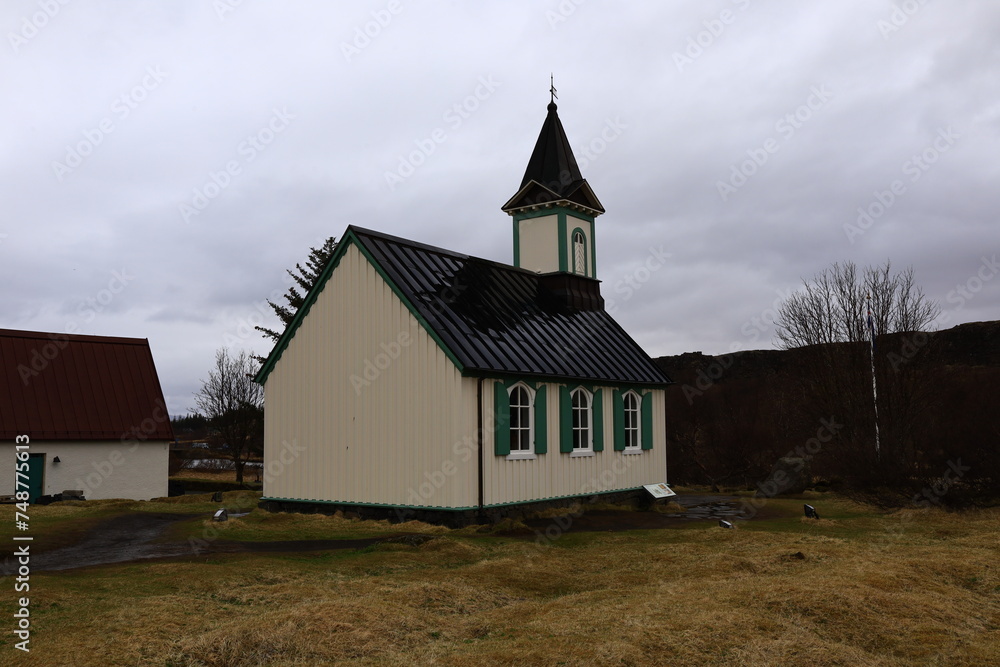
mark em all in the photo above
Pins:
pixel 571 381
pixel 384 505
pixel 346 242
pixel 447 509
pixel 409 306
pixel 349 239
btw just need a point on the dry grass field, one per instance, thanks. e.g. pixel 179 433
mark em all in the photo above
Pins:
pixel 858 587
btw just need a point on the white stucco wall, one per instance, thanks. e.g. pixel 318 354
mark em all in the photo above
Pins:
pixel 102 469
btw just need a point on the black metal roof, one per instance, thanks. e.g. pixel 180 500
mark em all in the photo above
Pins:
pixel 496 318
pixel 552 173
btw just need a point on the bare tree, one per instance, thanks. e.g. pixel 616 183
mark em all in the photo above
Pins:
pixel 833 307
pixel 831 315
pixel 233 404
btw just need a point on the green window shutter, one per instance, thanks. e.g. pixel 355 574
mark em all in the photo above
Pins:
pixel 501 420
pixel 565 421
pixel 647 420
pixel 618 408
pixel 598 410
pixel 541 430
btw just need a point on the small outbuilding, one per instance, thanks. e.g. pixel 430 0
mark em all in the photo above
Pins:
pixel 89 413
pixel 416 381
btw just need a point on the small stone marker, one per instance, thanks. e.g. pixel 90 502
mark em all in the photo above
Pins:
pixel 217 497
pixel 221 515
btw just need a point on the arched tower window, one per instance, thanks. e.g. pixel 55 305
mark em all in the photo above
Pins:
pixel 579 253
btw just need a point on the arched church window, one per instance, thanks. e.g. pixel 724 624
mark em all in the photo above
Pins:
pixel 579 253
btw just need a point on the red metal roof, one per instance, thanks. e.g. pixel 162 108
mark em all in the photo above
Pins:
pixel 70 387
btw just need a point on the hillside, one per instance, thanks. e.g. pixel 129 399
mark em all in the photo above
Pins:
pixel 733 416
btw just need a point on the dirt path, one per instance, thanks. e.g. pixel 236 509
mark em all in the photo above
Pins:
pixel 132 537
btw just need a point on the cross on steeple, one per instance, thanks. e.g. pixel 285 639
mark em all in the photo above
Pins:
pixel 552 88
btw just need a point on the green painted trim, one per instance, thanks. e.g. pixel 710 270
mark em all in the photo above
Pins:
pixel 555 379
pixel 448 509
pixel 578 215
pixel 541 422
pixel 517 242
pixel 537 214
pixel 501 420
pixel 541 213
pixel 36 476
pixel 575 495
pixel 345 243
pixel 385 505
pixel 586 269
pixel 593 249
pixel 597 410
pixel 646 419
pixel 561 231
pixel 618 412
pixel 565 421
pixel 527 383
pixel 409 306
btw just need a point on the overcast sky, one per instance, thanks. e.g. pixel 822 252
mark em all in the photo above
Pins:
pixel 165 161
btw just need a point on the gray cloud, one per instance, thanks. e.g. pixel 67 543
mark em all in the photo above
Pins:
pixel 172 101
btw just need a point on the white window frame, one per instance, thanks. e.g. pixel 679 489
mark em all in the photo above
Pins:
pixel 588 411
pixel 637 427
pixel 528 453
pixel 579 253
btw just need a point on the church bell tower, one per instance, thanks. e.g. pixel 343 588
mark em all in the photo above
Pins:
pixel 554 211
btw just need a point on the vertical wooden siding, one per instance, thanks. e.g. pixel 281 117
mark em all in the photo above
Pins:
pixel 555 475
pixel 404 434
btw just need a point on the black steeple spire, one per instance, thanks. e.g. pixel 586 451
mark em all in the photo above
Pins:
pixel 553 174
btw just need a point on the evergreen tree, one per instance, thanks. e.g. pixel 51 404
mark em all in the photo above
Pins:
pixel 305 277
